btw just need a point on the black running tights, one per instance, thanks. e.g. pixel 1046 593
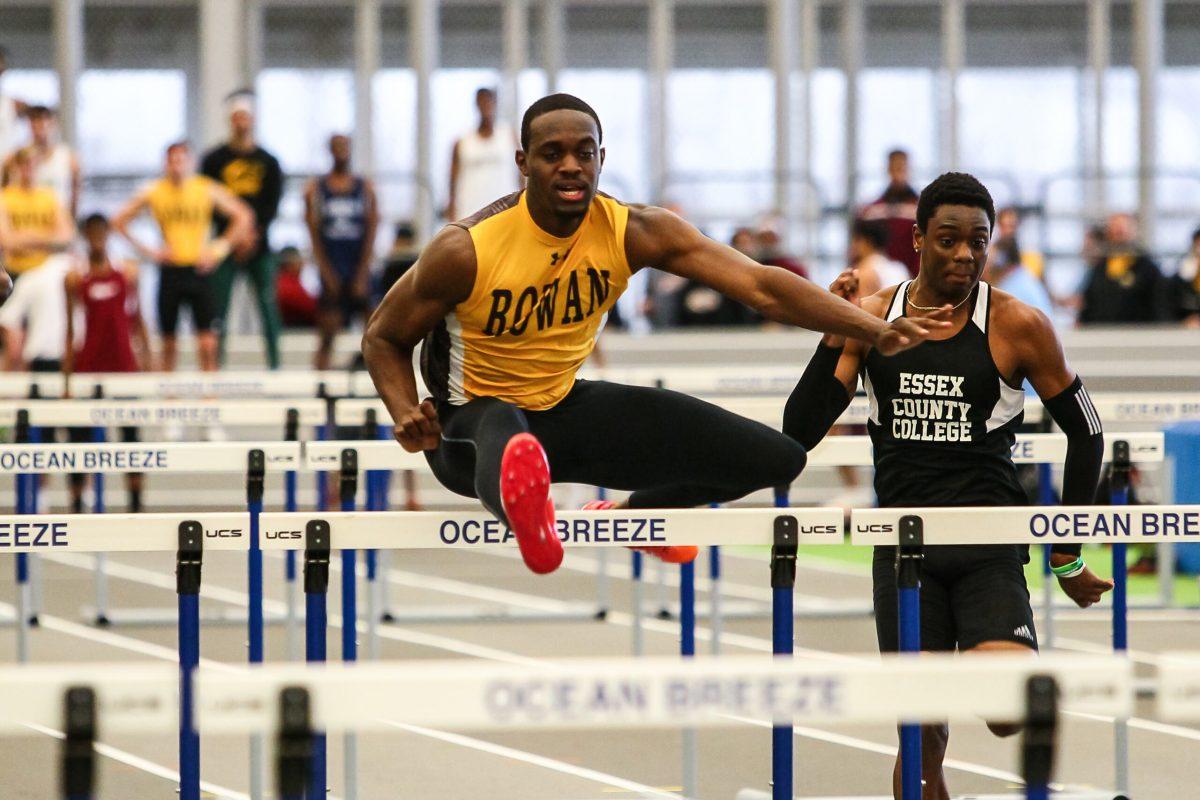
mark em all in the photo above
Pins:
pixel 671 450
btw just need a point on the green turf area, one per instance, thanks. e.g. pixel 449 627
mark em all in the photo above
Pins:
pixel 1187 587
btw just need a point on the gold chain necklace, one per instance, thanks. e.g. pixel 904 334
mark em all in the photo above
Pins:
pixel 908 299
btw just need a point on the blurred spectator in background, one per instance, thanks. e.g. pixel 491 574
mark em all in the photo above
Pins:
pixel 55 166
pixel 772 253
pixel 11 110
pixel 1124 285
pixel 701 306
pixel 400 258
pixel 1093 245
pixel 184 205
pixel 1005 242
pixel 342 217
pixel 35 234
pixel 103 296
pixel 254 175
pixel 297 306
pixel 34 319
pixel 36 225
pixel 745 242
pixel 1185 286
pixel 897 208
pixel 483 167
pixel 868 245
pixel 1009 271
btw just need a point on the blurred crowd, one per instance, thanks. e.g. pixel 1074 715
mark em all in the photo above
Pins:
pixel 205 224
pixel 1123 284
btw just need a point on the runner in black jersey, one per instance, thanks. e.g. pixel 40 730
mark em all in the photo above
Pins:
pixel 943 417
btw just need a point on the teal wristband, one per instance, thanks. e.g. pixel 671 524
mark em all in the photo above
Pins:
pixel 1069 570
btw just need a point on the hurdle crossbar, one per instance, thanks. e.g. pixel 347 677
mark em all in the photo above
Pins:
pixel 131 697
pixel 572 693
pixel 125 533
pixel 89 413
pixel 1030 448
pixel 1032 524
pixel 657 692
pixel 247 383
pixel 416 530
pixel 1179 686
pixel 25 459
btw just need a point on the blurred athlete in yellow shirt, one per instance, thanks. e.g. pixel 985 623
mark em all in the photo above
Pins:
pixel 182 203
pixel 34 225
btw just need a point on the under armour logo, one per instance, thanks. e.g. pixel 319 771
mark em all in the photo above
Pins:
pixel 554 258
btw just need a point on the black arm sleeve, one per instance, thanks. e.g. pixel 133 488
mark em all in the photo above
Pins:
pixel 818 399
pixel 1072 410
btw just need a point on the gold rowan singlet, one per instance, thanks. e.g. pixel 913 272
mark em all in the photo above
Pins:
pixel 535 310
pixel 33 211
pixel 184 212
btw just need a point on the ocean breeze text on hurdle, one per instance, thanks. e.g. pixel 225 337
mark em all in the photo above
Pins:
pixel 84 460
pixel 563 700
pixel 1067 524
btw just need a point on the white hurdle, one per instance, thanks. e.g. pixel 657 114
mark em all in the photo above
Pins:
pixel 319 534
pixel 914 529
pixel 297 705
pixel 290 416
pixel 1179 686
pixel 252 459
pixel 188 536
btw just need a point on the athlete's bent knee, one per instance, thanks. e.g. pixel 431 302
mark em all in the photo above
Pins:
pixel 783 462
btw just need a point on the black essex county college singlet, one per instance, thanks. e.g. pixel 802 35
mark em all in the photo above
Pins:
pixel 942 419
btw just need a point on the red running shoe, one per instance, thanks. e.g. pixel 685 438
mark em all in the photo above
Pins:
pixel 525 494
pixel 670 553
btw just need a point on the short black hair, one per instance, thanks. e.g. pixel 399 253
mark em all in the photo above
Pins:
pixel 1195 235
pixel 39 111
pixel 556 102
pixel 874 232
pixel 405 230
pixel 485 91
pixel 93 219
pixel 954 189
pixel 897 152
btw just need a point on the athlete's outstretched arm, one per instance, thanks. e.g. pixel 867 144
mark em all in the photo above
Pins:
pixel 831 377
pixel 441 279
pixel 657 238
pixel 1040 358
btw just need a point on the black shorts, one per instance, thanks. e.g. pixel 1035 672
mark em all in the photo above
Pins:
pixel 45 365
pixel 343 302
pixel 178 286
pixel 85 436
pixel 969 594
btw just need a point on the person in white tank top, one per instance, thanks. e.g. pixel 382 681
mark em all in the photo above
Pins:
pixel 483 168
pixel 11 110
pixel 54 163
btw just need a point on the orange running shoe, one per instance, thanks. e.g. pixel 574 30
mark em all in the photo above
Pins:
pixel 525 494
pixel 670 553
